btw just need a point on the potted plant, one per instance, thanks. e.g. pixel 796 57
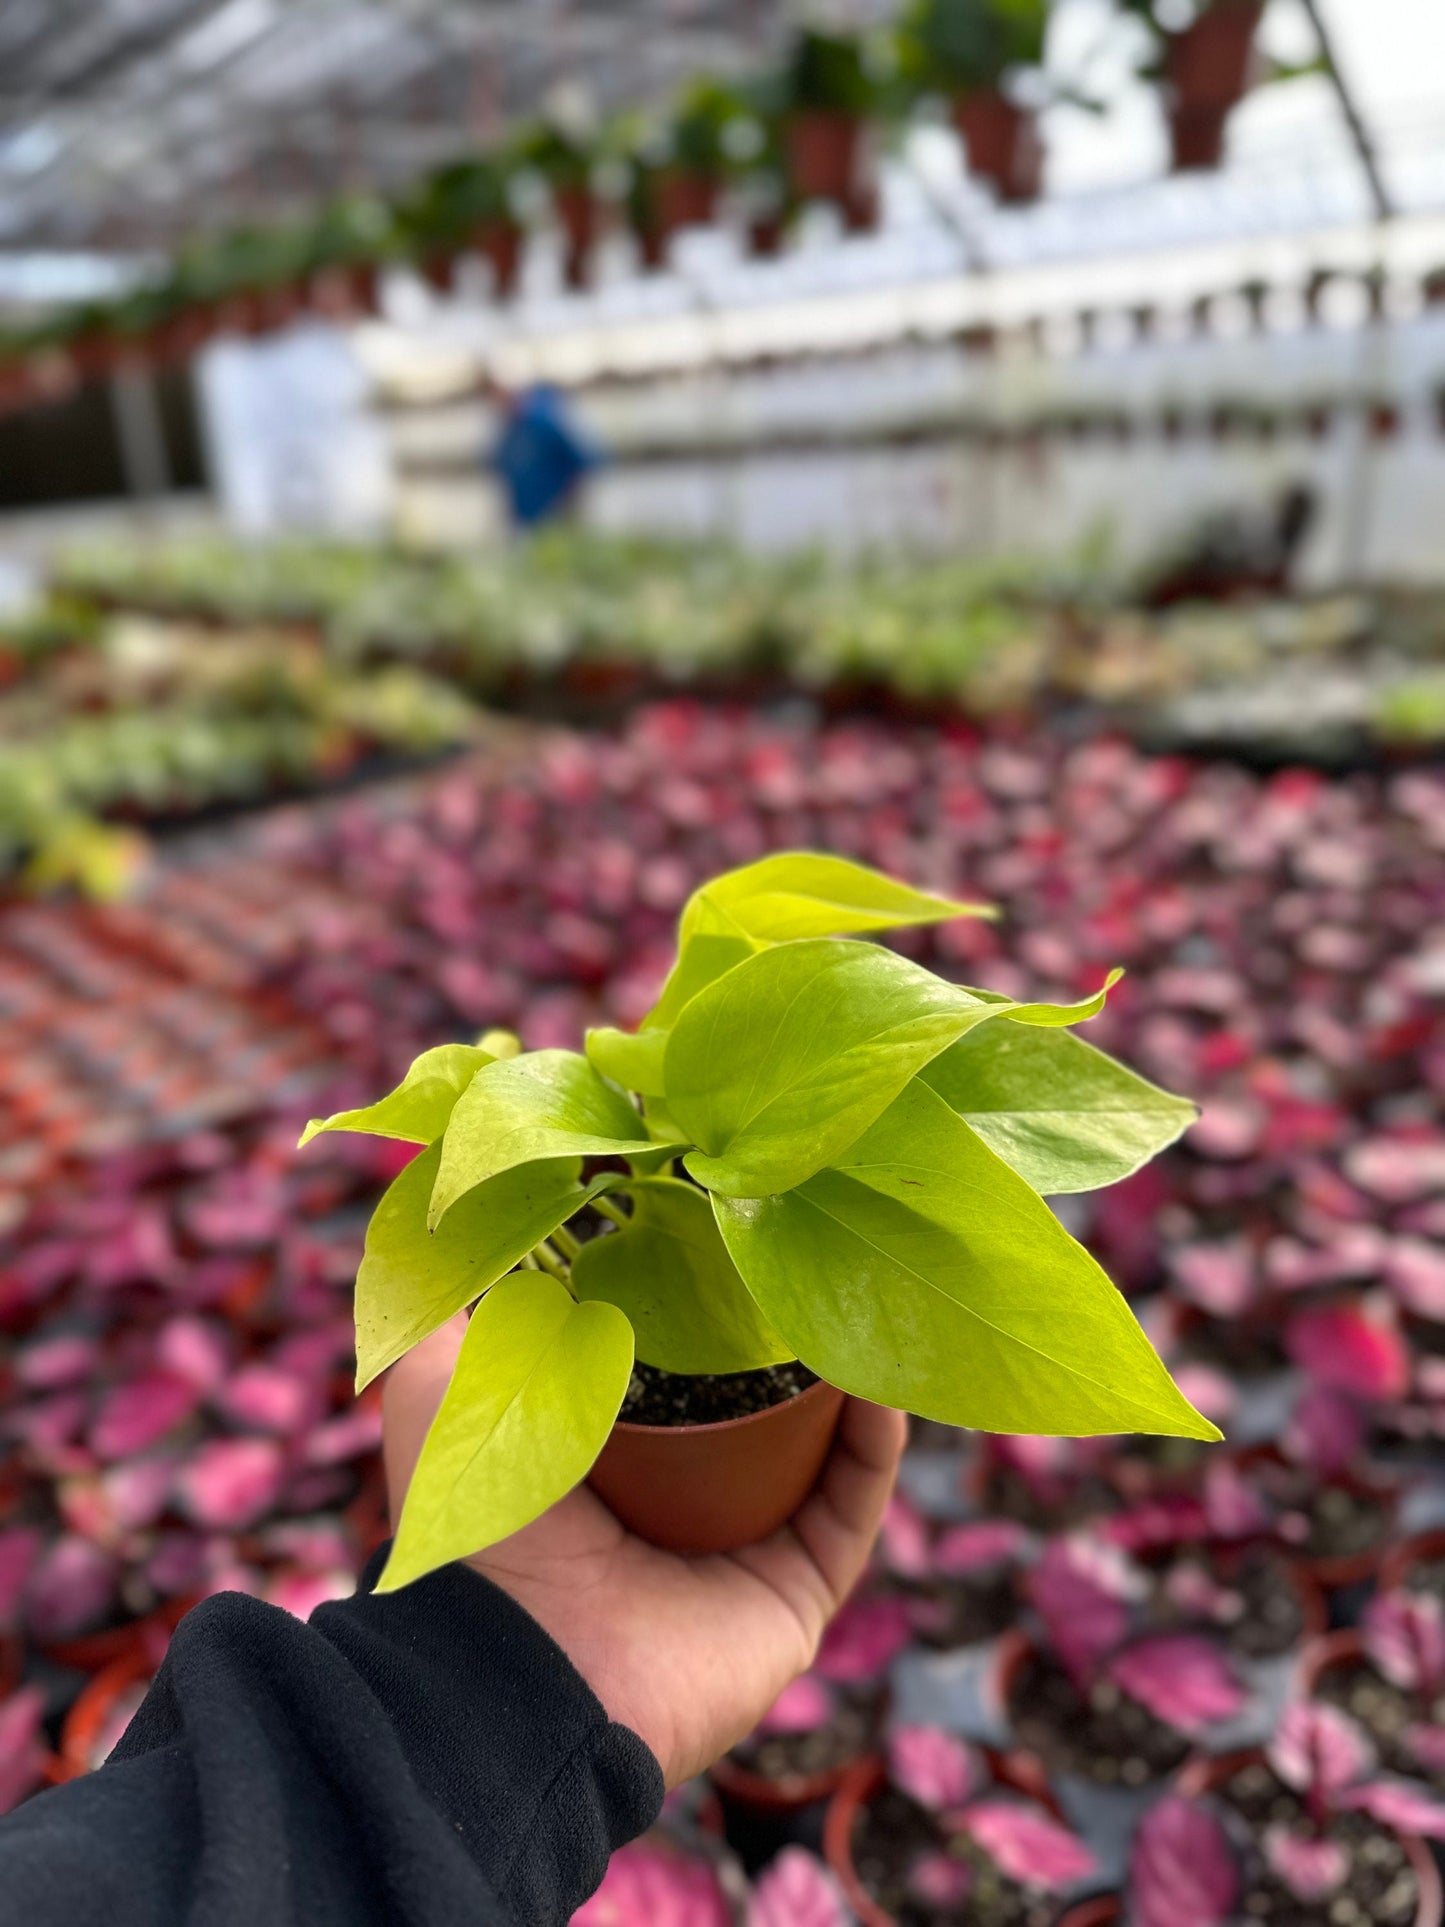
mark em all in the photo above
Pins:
pixel 1389 1676
pixel 563 160
pixel 710 132
pixel 465 207
pixel 929 1836
pixel 824 1184
pixel 966 50
pixel 1205 70
pixel 828 94
pixel 345 248
pixel 1290 1833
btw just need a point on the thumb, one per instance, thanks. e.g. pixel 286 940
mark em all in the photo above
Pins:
pixel 413 1390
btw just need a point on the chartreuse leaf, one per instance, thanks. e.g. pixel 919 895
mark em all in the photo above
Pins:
pixel 920 1271
pixel 411 1280
pixel 543 1104
pixel 536 1389
pixel 418 1109
pixel 1064 1115
pixel 631 1059
pixel 701 960
pixel 781 1063
pixel 669 1270
pixel 800 893
pixel 1055 1016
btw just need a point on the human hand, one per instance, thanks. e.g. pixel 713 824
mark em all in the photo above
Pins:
pixel 688 1650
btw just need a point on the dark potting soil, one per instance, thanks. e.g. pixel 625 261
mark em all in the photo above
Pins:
pixel 851 1732
pixel 1343 1524
pixel 949 1613
pixel 1009 1496
pixel 893 1832
pixel 1385 1712
pixel 1269 1616
pixel 656 1397
pixel 1100 1735
pixel 1380 1889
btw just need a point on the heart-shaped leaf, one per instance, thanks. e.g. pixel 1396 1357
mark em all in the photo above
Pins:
pixel 418 1109
pixel 801 893
pixel 1085 1592
pixel 412 1280
pixel 922 1272
pixel 544 1104
pixel 779 1065
pixel 796 1890
pixel 670 1272
pixel 537 1386
pixel 1063 1114
pixel 1400 1804
pixel 631 1059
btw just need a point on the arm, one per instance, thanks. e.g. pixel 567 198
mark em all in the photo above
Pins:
pixel 430 1757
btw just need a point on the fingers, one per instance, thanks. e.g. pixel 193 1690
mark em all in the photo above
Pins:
pixel 838 1523
pixel 410 1395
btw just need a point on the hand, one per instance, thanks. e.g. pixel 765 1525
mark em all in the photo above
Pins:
pixel 688 1650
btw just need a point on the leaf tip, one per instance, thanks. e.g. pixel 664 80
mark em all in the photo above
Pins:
pixel 313 1129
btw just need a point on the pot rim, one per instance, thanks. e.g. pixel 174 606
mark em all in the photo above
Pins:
pixel 712 1426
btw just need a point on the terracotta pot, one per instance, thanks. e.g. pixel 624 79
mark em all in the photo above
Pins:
pixel 1208 68
pixel 577 217
pixel 1396 1564
pixel 859 1785
pixel 785 1795
pixel 438 270
pixel 1207 65
pixel 1002 142
pixel 765 235
pixel 1092 1913
pixel 685 198
pixel 500 245
pixel 87 1718
pixel 1200 1776
pixel 824 154
pixel 713 1488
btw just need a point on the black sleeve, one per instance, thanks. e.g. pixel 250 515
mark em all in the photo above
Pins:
pixel 429 1757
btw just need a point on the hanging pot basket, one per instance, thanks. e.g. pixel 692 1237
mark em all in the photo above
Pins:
pixel 685 198
pixel 1003 144
pixel 500 245
pixel 576 212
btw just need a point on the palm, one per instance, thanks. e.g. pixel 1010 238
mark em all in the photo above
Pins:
pixel 687 1651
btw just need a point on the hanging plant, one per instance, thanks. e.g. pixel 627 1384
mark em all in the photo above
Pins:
pixel 345 250
pixel 967 50
pixel 563 160
pixel 463 208
pixel 828 93
pixel 862 1147
pixel 1205 69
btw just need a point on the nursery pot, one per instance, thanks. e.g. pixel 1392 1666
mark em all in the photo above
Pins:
pixel 1002 142
pixel 1395 1566
pixel 685 198
pixel 500 244
pixel 824 147
pixel 858 1787
pixel 1207 66
pixel 713 1488
pixel 1201 1776
pixel 577 217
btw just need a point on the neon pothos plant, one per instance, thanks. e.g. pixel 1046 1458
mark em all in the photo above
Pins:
pixel 812 1148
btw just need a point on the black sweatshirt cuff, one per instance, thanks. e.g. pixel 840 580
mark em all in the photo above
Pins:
pixel 504 1738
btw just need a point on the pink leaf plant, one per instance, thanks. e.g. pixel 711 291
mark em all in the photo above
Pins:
pixel 796 1890
pixel 1183 1871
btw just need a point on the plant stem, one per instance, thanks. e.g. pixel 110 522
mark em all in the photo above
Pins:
pixel 611 1210
pixel 547 1258
pixel 565 1243
pixel 529 1263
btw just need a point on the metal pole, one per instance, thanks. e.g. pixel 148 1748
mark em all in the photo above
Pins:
pixel 1354 119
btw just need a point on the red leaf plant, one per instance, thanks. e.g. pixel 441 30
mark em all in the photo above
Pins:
pixel 1327 1758
pixel 1086 1593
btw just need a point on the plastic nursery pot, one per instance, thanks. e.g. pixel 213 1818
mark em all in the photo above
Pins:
pixel 1207 67
pixel 859 1784
pixel 1092 1913
pixel 1203 1775
pixel 713 1488
pixel 789 1793
pixel 1002 142
pixel 1424 1548
pixel 94 1708
pixel 576 213
pixel 824 147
